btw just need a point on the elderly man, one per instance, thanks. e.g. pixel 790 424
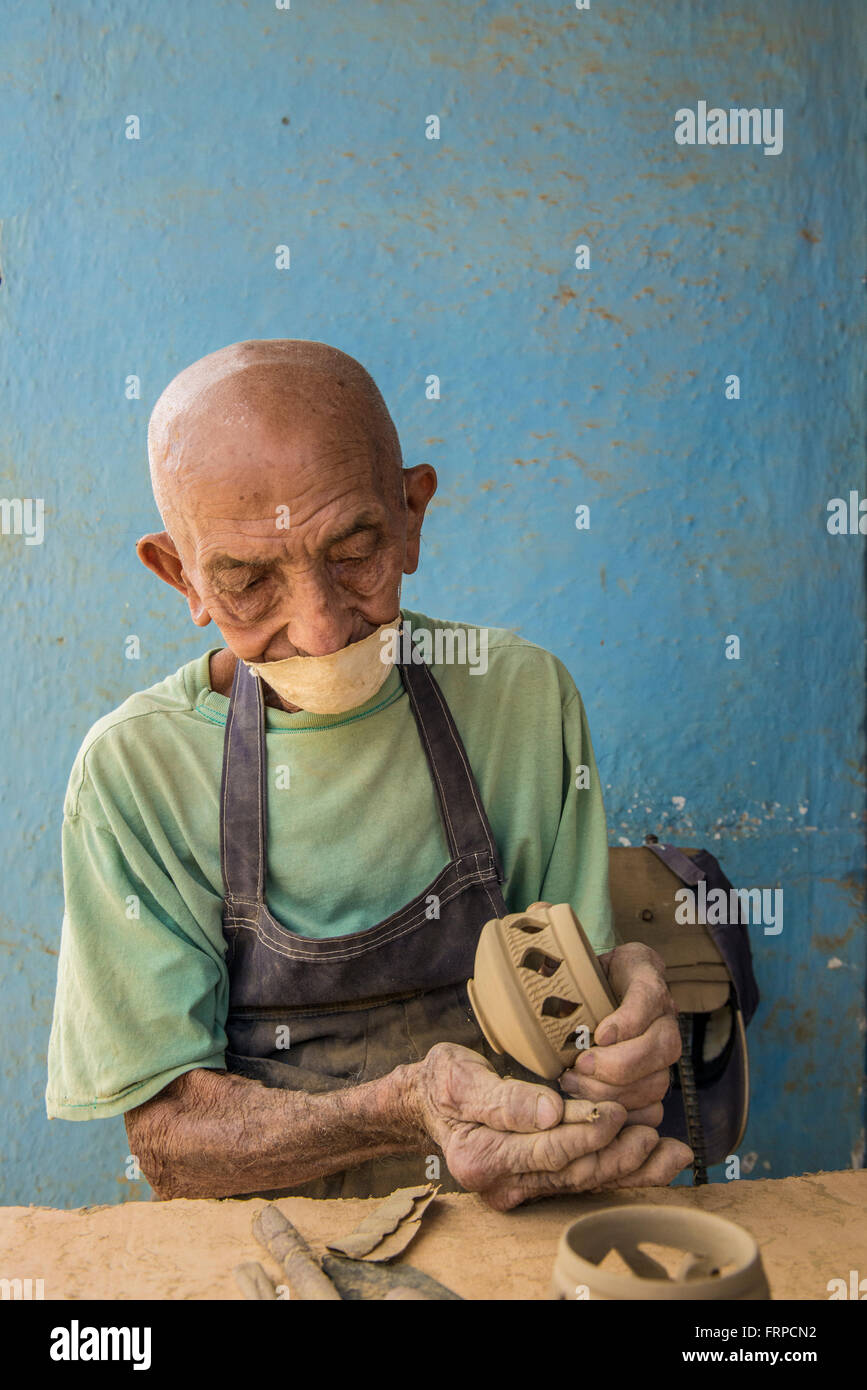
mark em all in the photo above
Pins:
pixel 278 860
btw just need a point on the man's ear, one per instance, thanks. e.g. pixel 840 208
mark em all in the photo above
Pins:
pixel 420 484
pixel 159 553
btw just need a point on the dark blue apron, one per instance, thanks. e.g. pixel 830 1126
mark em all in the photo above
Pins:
pixel 355 1006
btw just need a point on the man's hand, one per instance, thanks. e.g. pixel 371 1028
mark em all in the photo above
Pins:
pixel 512 1140
pixel 637 1043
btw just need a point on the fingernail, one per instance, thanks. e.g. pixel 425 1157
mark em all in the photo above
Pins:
pixel 607 1034
pixel 586 1064
pixel 547 1112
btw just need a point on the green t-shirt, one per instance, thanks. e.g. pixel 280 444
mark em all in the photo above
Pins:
pixel 354 833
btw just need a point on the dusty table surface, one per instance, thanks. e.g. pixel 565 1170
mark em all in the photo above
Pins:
pixel 810 1229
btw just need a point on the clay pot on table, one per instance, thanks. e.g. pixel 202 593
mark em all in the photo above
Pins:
pixel 719 1259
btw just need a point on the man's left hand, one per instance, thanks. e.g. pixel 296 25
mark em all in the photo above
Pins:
pixel 636 1044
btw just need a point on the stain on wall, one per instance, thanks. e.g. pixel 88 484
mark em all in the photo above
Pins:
pixel 560 386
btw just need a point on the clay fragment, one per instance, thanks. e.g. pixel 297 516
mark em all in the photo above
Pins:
pixel 572 1113
pixel 387 1231
pixel 696 1266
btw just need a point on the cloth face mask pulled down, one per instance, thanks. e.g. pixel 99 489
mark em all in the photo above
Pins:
pixel 338 681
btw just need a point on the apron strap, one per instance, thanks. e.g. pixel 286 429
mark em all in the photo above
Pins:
pixel 463 814
pixel 242 795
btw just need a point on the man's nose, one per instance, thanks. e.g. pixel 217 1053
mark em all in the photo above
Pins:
pixel 318 625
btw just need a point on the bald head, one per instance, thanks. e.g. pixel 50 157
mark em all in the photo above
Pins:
pixel 289 516
pixel 291 387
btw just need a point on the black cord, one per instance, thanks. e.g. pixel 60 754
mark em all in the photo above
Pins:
pixel 694 1128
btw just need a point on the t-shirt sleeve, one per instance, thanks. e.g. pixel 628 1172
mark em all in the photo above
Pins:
pixel 139 1000
pixel 577 871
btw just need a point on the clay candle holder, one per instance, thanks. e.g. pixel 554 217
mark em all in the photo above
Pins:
pixel 536 981
pixel 716 1259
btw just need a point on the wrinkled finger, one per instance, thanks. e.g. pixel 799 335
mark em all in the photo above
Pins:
pixel 514 1107
pixel 636 974
pixel 651 1088
pixel 661 1167
pixel 587 1127
pixel 647 1115
pixel 623 1063
pixel 487 1156
pixel 625 1154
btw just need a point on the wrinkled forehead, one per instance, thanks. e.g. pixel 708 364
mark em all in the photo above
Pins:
pixel 229 478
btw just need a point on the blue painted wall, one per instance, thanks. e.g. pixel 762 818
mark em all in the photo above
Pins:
pixel 559 387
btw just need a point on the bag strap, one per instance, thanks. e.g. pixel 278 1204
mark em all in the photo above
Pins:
pixel 679 863
pixel 731 938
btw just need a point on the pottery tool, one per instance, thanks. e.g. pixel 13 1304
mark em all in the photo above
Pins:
pixel 304 1274
pixel 360 1280
pixel 538 991
pixel 716 1259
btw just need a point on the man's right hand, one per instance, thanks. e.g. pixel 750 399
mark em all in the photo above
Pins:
pixel 512 1140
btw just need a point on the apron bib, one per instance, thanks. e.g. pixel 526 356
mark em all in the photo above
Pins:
pixel 355 1006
